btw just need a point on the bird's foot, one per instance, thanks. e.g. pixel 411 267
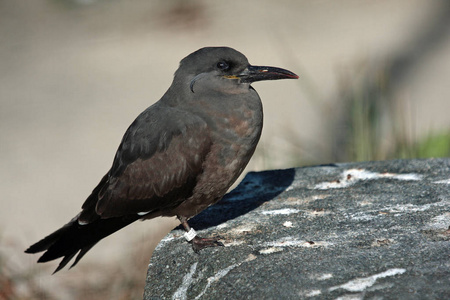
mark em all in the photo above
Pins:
pixel 199 243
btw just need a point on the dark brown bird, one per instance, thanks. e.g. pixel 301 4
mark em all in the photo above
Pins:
pixel 178 157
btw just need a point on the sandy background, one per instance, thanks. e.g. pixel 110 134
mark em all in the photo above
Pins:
pixel 75 74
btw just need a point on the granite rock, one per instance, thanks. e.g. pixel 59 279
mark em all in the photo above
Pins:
pixel 374 230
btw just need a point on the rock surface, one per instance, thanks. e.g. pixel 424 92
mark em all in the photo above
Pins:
pixel 376 230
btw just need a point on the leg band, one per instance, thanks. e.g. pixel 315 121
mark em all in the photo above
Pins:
pixel 190 235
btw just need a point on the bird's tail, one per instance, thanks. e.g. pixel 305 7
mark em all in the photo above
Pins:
pixel 73 238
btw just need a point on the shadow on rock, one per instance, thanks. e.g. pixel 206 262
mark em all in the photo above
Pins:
pixel 255 189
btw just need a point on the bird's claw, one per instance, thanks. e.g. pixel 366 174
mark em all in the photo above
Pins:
pixel 199 243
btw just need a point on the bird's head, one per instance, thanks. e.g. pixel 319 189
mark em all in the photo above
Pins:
pixel 224 70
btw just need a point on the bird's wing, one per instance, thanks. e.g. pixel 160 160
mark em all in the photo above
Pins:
pixel 155 167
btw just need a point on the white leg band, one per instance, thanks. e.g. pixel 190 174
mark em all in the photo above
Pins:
pixel 190 235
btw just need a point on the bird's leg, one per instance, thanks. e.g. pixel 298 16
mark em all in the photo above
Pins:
pixel 197 242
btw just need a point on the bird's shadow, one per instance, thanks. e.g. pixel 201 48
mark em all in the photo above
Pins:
pixel 255 189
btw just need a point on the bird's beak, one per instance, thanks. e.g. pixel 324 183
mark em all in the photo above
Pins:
pixel 258 73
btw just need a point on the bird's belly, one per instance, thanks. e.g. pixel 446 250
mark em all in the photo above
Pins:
pixel 229 155
pixel 213 183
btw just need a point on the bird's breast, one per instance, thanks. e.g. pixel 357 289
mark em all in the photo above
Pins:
pixel 234 136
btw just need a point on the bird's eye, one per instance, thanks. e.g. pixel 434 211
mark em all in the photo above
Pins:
pixel 223 65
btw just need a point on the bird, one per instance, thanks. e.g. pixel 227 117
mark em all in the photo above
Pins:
pixel 178 157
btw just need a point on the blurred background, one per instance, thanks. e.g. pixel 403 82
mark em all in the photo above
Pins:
pixel 374 85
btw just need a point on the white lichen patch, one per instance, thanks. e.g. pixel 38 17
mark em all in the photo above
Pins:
pixel 181 292
pixel 250 257
pixel 217 277
pixel 222 273
pixel 241 229
pixel 352 176
pixel 233 243
pixel 445 181
pixel 325 276
pixel 292 242
pixel 395 210
pixel 221 226
pixel 320 277
pixel 362 216
pixel 313 293
pixel 283 211
pixel 288 224
pixel 406 208
pixel 270 250
pixel 365 203
pixel 360 284
pixel 290 188
pixel 359 296
pixel 317 213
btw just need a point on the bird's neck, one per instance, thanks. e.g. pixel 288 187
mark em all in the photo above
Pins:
pixel 221 111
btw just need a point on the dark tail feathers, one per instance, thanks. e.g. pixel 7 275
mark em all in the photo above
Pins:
pixel 73 238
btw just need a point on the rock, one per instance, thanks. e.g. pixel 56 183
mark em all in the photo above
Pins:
pixel 350 231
